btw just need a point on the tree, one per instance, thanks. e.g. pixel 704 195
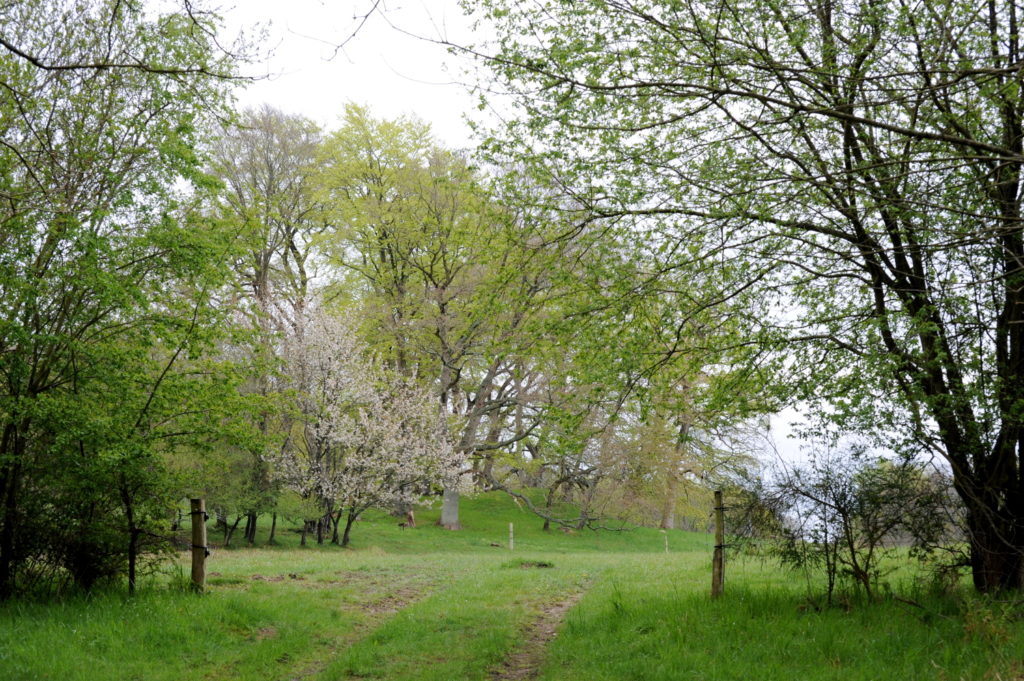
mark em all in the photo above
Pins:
pixel 640 389
pixel 266 160
pixel 105 281
pixel 860 159
pixel 366 437
pixel 181 45
pixel 440 272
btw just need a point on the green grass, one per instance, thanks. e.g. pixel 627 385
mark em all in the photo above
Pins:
pixel 426 603
pixel 648 624
pixel 461 631
pixel 485 519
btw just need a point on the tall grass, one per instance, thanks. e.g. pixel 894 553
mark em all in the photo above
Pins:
pixel 648 624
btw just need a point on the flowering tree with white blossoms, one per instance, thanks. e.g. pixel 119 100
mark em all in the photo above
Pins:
pixel 363 437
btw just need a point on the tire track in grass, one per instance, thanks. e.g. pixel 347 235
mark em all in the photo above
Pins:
pixel 376 610
pixel 525 660
pixel 466 629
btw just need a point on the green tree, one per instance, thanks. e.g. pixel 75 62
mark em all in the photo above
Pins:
pixel 266 160
pixel 633 384
pixel 441 274
pixel 105 280
pixel 861 159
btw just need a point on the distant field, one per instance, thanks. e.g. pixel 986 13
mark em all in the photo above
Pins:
pixel 425 603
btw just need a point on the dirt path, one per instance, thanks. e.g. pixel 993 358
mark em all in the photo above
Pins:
pixel 525 660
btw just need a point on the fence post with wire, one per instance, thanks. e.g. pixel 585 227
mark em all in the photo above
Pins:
pixel 718 561
pixel 200 549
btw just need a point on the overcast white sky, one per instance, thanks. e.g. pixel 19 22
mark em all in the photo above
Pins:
pixel 383 65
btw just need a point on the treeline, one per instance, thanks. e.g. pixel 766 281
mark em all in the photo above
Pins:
pixel 310 323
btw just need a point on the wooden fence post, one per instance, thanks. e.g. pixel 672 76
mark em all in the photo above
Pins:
pixel 199 547
pixel 718 562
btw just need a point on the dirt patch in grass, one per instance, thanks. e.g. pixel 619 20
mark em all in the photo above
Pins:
pixel 525 660
pixel 264 578
pixel 392 602
pixel 265 633
pixel 277 578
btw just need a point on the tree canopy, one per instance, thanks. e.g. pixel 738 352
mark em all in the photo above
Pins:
pixel 106 280
pixel 858 161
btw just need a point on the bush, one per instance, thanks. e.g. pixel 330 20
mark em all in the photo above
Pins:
pixel 844 514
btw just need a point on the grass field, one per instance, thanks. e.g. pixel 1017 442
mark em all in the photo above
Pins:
pixel 425 603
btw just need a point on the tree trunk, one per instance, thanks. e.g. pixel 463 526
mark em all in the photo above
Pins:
pixel 582 521
pixel 133 536
pixel 12 446
pixel 450 510
pixel 549 501
pixel 997 562
pixel 335 519
pixel 484 465
pixel 229 531
pixel 995 513
pixel 668 507
pixel 273 529
pixel 586 499
pixel 405 512
pixel 133 557
pixel 349 520
pixel 305 531
pixel 250 527
pixel 487 474
pixel 10 495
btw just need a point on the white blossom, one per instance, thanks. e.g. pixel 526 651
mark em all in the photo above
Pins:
pixel 363 436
